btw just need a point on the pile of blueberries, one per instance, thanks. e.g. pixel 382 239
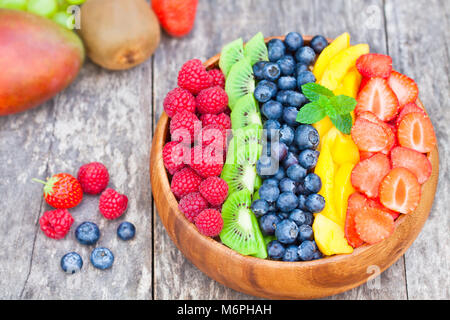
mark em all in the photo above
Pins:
pixel 288 195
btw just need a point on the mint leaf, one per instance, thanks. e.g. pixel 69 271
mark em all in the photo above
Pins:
pixel 313 91
pixel 326 105
pixel 310 113
pixel 343 122
pixel 343 104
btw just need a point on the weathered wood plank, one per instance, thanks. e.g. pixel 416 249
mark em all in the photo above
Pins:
pixel 418 37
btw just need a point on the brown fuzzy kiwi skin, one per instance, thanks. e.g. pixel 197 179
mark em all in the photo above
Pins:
pixel 119 34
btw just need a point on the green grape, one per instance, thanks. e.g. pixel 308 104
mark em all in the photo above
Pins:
pixel 44 8
pixel 62 18
pixel 76 2
pixel 14 4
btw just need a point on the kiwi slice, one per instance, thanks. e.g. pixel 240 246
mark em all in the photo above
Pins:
pixel 240 227
pixel 231 53
pixel 256 50
pixel 245 113
pixel 240 81
pixel 262 245
pixel 247 138
pixel 239 170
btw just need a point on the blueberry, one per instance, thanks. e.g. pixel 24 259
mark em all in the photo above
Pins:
pixel 318 43
pixel 296 172
pixel 300 67
pixel 266 152
pixel 260 207
pixel 298 216
pixel 271 71
pixel 102 258
pixel 289 160
pixel 301 189
pixel 272 110
pixel 275 250
pixel 317 255
pixel 301 202
pixel 71 262
pixel 271 181
pixel 315 203
pixel 280 174
pixel 306 250
pixel 286 134
pixel 291 253
pixel 287 201
pixel 287 65
pixel 309 217
pixel 272 207
pixel 290 116
pixel 265 90
pixel 87 233
pixel 287 185
pixel 257 69
pixel 305 232
pixel 126 231
pixel 293 41
pixel 312 183
pixel 305 55
pixel 305 77
pixel 306 137
pixel 276 49
pixel 268 223
pixel 266 166
pixel 278 150
pixel 283 215
pixel 287 83
pixel 269 192
pixel 282 96
pixel 293 148
pixel 308 158
pixel 271 127
pixel 286 231
pixel 295 99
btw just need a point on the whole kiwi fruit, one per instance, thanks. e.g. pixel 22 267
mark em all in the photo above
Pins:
pixel 119 34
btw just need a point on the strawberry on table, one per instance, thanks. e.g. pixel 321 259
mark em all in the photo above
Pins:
pixel 62 191
pixel 404 87
pixel 368 174
pixel 412 160
pixel 372 65
pixel 415 131
pixel 176 16
pixel 373 225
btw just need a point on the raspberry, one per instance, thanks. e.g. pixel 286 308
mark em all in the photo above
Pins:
pixel 221 118
pixel 112 204
pixel 207 161
pixel 182 127
pixel 174 156
pixel 218 77
pixel 56 223
pixel 212 100
pixel 178 100
pixel 209 222
pixel 192 204
pixel 214 135
pixel 194 77
pixel 93 177
pixel 214 190
pixel 185 181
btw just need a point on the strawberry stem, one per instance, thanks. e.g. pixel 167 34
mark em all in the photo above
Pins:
pixel 40 181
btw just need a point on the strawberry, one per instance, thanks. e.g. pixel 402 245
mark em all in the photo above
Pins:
pixel 62 191
pixel 374 65
pixel 404 87
pixel 378 98
pixel 369 136
pixel 390 133
pixel 375 203
pixel 176 16
pixel 356 202
pixel 415 131
pixel 412 160
pixel 363 155
pixel 373 225
pixel 400 191
pixel 408 108
pixel 368 174
pixel 363 83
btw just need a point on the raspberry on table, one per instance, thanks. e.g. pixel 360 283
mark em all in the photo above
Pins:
pixel 174 154
pixel 182 127
pixel 112 204
pixel 209 222
pixel 93 177
pixel 218 77
pixel 212 100
pixel 192 204
pixel 194 77
pixel 222 118
pixel 214 190
pixel 185 181
pixel 177 100
pixel 56 223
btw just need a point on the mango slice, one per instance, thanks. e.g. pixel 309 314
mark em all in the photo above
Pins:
pixel 350 84
pixel 344 149
pixel 343 190
pixel 329 236
pixel 322 127
pixel 340 43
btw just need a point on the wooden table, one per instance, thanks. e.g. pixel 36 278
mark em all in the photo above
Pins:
pixel 109 117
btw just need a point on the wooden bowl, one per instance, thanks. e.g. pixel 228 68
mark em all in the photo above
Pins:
pixel 279 279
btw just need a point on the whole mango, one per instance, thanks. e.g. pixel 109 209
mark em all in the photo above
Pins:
pixel 38 59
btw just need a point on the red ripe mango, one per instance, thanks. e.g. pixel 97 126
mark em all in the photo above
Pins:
pixel 38 59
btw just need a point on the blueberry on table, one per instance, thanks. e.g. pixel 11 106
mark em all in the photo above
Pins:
pixel 286 231
pixel 258 68
pixel 287 185
pixel 287 201
pixel 305 232
pixel 71 262
pixel 286 65
pixel 305 55
pixel 260 207
pixel 293 41
pixel 296 172
pixel 287 83
pixel 87 233
pixel 275 49
pixel 290 116
pixel 290 159
pixel 272 110
pixel 268 223
pixel 291 253
pixel 315 203
pixel 308 158
pixel 102 258
pixel 275 250
pixel 126 230
pixel 306 137
pixel 312 183
pixel 318 43
pixel 271 71
pixel 286 134
pixel 305 77
pixel 298 216
pixel 268 192
pixel 306 250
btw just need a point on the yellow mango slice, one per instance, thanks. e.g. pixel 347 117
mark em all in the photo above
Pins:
pixel 344 150
pixel 329 236
pixel 350 84
pixel 322 128
pixel 341 64
pixel 343 189
pixel 340 43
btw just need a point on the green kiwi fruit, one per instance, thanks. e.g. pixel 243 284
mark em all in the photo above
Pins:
pixel 240 227
pixel 239 170
pixel 230 54
pixel 247 138
pixel 256 50
pixel 246 112
pixel 240 81
pixel 262 245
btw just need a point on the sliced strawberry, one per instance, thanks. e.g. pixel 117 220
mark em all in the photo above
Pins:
pixel 378 98
pixel 369 136
pixel 363 83
pixel 408 108
pixel 375 203
pixel 373 225
pixel 412 160
pixel 400 191
pixel 373 65
pixel 416 132
pixel 392 139
pixel 368 174
pixel 404 87
pixel 363 155
pixel 356 202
